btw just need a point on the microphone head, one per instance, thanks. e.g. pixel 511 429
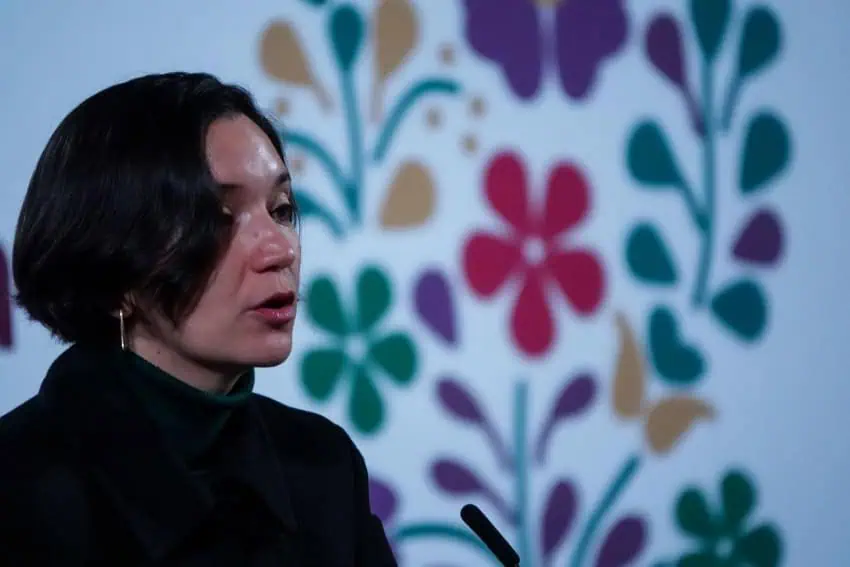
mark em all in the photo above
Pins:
pixel 473 517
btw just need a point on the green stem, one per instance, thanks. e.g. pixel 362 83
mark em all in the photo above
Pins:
pixel 354 189
pixel 728 108
pixel 403 106
pixel 433 530
pixel 615 489
pixel 310 207
pixel 312 147
pixel 697 215
pixel 521 471
pixel 709 181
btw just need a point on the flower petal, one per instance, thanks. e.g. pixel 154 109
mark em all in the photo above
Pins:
pixel 505 184
pixel 373 297
pixel 580 277
pixel 365 407
pixel 488 262
pixel 567 200
pixel 321 370
pixel 324 307
pixel 531 320
pixel 396 355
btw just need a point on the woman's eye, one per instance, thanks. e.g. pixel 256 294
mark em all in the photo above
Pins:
pixel 284 213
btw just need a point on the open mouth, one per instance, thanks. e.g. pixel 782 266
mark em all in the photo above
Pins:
pixel 278 301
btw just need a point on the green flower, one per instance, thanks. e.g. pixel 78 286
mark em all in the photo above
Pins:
pixel 356 349
pixel 724 536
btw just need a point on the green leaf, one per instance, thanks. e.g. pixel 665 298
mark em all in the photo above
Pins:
pixel 321 371
pixel 675 361
pixel 761 547
pixel 710 19
pixel 396 355
pixel 760 41
pixel 324 307
pixel 346 30
pixel 650 159
pixel 365 407
pixel 738 500
pixel 692 514
pixel 765 151
pixel 742 308
pixel 373 297
pixel 700 559
pixel 648 257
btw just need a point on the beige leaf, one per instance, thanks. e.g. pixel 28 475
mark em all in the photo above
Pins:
pixel 671 418
pixel 411 197
pixel 629 379
pixel 283 58
pixel 396 34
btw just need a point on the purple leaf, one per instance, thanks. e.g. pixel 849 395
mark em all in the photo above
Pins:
pixel 5 302
pixel 382 499
pixel 435 305
pixel 459 402
pixel 664 48
pixel 558 517
pixel 575 399
pixel 760 242
pixel 623 543
pixel 455 478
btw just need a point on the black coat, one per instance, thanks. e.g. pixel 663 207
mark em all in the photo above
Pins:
pixel 86 481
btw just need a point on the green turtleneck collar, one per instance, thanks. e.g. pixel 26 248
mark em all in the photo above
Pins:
pixel 190 419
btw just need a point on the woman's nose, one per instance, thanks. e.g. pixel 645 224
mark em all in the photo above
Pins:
pixel 274 251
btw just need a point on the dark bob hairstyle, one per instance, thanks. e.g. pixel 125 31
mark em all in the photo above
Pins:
pixel 122 201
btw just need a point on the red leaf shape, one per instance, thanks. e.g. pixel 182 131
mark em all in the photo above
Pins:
pixel 580 277
pixel 567 201
pixel 507 192
pixel 488 262
pixel 531 322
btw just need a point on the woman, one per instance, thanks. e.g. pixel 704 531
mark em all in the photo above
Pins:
pixel 158 237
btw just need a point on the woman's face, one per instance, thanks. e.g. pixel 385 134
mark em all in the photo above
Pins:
pixel 246 313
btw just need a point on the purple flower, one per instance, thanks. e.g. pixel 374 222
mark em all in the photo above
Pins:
pixel 514 35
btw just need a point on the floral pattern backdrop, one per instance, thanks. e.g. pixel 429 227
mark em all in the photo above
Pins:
pixel 376 105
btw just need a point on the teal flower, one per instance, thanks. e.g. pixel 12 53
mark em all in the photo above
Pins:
pixel 726 537
pixel 357 349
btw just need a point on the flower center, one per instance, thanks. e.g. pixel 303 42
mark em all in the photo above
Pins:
pixel 723 547
pixel 356 348
pixel 534 251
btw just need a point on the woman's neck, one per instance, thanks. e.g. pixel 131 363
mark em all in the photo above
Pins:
pixel 194 373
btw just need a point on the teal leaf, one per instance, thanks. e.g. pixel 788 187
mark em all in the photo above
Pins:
pixel 648 257
pixel 346 30
pixel 693 516
pixel 396 355
pixel 710 19
pixel 317 3
pixel 760 41
pixel 324 307
pixel 742 308
pixel 761 547
pixel 373 297
pixel 650 159
pixel 675 361
pixel 365 407
pixel 739 500
pixel 321 371
pixel 308 207
pixel 765 151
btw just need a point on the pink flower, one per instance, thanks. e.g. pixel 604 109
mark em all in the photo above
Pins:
pixel 530 249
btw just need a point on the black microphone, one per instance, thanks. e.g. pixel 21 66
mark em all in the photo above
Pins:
pixel 484 529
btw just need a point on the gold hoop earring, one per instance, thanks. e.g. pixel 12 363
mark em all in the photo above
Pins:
pixel 122 329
